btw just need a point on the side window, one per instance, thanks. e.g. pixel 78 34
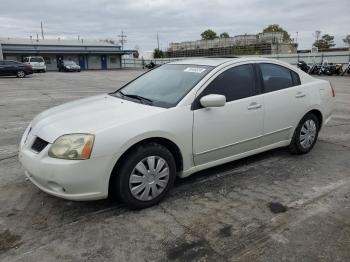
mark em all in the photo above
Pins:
pixel 275 77
pixel 235 83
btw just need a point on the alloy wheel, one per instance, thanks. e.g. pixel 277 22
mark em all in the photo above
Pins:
pixel 20 74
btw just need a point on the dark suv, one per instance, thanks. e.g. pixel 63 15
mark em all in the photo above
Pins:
pixel 8 68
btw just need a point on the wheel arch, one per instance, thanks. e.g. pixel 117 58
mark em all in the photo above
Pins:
pixel 169 144
pixel 318 114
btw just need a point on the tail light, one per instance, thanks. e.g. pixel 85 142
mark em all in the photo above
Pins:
pixel 333 90
pixel 29 66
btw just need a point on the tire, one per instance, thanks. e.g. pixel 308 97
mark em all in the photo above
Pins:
pixel 305 135
pixel 20 74
pixel 136 186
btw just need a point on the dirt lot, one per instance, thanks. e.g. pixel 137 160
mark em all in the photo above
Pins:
pixel 270 207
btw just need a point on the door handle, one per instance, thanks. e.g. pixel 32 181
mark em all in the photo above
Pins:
pixel 254 105
pixel 300 95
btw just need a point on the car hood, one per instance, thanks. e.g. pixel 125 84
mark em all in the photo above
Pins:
pixel 88 115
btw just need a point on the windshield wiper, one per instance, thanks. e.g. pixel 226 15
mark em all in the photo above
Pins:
pixel 140 98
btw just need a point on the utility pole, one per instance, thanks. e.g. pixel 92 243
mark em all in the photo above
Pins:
pixel 158 40
pixel 122 39
pixel 42 30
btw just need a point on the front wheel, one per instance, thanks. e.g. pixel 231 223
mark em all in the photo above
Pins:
pixel 145 176
pixel 305 135
pixel 20 74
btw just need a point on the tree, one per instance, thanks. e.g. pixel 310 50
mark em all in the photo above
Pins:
pixel 158 53
pixel 276 28
pixel 208 35
pixel 326 42
pixel 224 35
pixel 346 40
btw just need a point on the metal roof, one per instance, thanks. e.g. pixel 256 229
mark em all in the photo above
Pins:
pixel 47 46
pixel 57 42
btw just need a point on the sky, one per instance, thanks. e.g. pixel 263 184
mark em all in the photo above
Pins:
pixel 174 20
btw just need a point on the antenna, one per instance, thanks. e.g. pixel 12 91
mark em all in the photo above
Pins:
pixel 42 30
pixel 122 39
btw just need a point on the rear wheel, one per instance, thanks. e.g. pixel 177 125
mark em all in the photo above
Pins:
pixel 145 176
pixel 20 74
pixel 305 135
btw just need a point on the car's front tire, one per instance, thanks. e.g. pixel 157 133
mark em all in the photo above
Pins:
pixel 144 176
pixel 305 135
pixel 20 74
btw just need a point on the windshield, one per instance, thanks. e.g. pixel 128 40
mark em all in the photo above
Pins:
pixel 164 86
pixel 69 63
pixel 36 59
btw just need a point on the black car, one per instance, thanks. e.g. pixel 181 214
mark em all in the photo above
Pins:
pixel 8 68
pixel 68 66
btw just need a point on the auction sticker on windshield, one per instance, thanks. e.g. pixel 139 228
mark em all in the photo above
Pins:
pixel 197 70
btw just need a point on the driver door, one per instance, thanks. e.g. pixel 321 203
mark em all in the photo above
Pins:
pixel 235 128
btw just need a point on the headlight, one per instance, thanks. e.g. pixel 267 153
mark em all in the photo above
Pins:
pixel 72 146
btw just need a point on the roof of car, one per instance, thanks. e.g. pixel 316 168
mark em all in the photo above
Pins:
pixel 217 61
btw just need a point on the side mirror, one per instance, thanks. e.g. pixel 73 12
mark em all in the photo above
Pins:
pixel 213 100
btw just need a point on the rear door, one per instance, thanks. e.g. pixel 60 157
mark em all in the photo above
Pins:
pixel 285 101
pixel 235 128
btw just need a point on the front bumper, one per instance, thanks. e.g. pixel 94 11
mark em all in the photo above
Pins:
pixel 68 179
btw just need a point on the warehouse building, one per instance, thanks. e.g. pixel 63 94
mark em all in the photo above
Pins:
pixel 88 54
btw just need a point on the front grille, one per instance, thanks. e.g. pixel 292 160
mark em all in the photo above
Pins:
pixel 39 144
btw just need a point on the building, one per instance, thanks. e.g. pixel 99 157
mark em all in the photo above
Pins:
pixel 263 43
pixel 86 53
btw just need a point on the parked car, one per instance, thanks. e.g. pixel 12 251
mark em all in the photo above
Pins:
pixel 68 66
pixel 8 68
pixel 175 120
pixel 347 70
pixel 37 63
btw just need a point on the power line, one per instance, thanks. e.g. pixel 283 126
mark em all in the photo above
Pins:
pixel 158 40
pixel 122 39
pixel 42 30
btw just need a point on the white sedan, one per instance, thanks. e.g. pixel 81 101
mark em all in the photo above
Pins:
pixel 175 120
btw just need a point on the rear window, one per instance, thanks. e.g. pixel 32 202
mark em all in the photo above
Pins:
pixel 36 59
